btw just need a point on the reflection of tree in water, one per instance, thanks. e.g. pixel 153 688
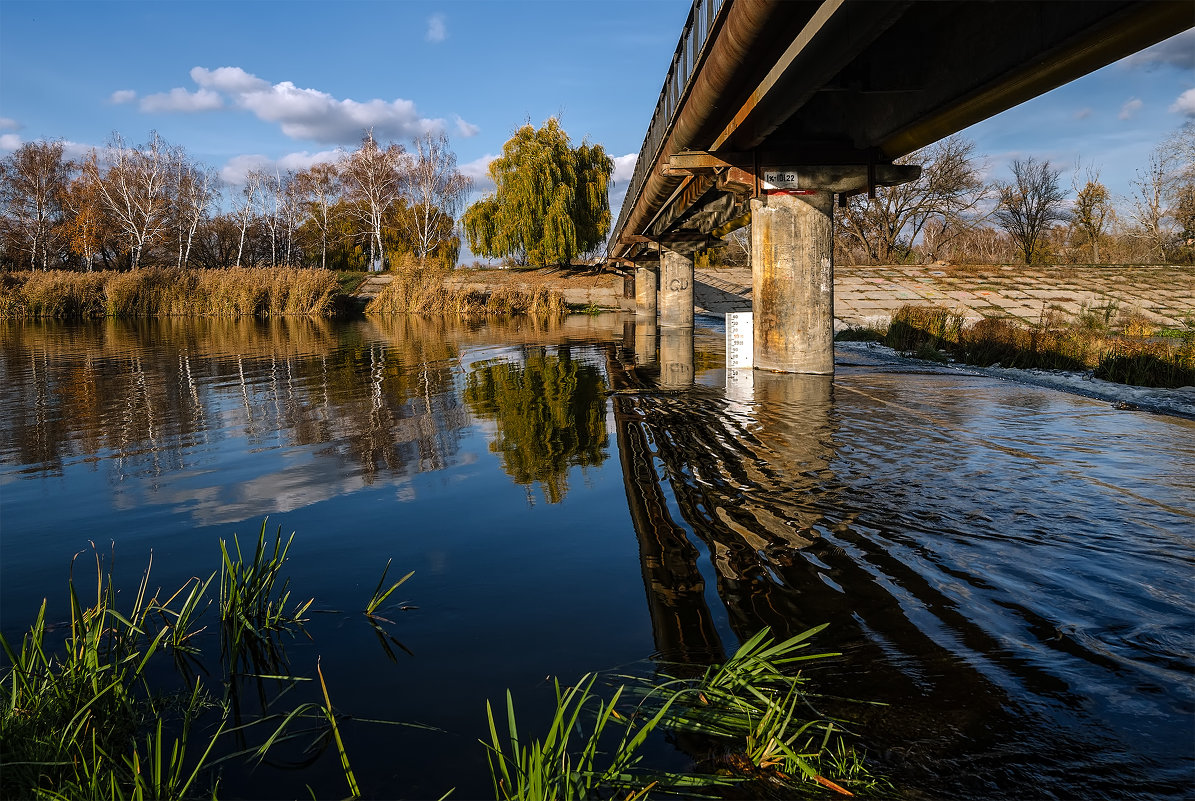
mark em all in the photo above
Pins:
pixel 139 395
pixel 550 412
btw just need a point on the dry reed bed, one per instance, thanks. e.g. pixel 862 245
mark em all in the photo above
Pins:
pixel 1127 350
pixel 167 292
pixel 426 294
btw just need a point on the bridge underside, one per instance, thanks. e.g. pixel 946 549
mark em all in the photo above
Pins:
pixel 789 105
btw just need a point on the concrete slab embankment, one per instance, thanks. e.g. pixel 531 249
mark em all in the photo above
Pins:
pixel 870 295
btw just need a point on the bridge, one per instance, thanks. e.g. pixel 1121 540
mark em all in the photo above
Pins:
pixel 773 110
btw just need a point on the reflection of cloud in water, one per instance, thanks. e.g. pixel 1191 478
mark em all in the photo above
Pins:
pixel 292 487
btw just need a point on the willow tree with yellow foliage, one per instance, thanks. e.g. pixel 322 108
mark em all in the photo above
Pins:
pixel 550 202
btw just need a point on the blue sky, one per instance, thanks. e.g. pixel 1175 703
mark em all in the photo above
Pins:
pixel 244 84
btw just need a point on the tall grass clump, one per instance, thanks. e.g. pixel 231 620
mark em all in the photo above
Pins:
pixel 425 293
pixel 168 292
pixel 420 292
pixel 916 327
pixel 82 719
pixel 861 333
pixel 58 294
pixel 150 292
pixel 253 596
pixel 1149 364
pixel 295 291
pixel 746 718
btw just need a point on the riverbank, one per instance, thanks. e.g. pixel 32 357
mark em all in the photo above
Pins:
pixel 865 296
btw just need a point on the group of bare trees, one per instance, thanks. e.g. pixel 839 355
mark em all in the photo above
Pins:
pixel 951 213
pixel 130 206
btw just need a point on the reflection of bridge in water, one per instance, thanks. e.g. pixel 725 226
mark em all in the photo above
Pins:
pixel 745 478
pixel 714 473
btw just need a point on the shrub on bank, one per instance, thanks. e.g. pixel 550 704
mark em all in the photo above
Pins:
pixel 1125 353
pixel 167 292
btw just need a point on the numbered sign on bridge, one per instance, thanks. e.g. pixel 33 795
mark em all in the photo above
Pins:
pixel 739 342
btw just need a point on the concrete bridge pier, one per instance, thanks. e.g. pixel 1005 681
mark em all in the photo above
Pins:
pixel 792 257
pixel 676 289
pixel 792 253
pixel 645 291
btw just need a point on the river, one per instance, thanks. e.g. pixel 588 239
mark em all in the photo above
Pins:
pixel 1008 570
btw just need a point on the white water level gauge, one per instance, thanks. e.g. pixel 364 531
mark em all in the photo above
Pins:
pixel 740 344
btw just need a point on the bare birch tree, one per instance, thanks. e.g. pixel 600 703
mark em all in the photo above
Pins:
pixel 136 191
pixel 271 201
pixel 194 191
pixel 32 180
pixel 373 179
pixel 437 190
pixel 318 188
pixel 1152 189
pixel 245 213
pixel 291 213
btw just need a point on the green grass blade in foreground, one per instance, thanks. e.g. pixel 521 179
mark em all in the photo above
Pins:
pixel 354 791
pixel 747 708
pixel 379 597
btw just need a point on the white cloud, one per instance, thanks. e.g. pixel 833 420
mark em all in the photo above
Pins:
pixel 1083 113
pixel 1130 108
pixel 1184 104
pixel 181 100
pixel 302 160
pixel 315 115
pixel 235 169
pixel 122 96
pixel 466 129
pixel 10 141
pixel 9 124
pixel 478 170
pixel 437 31
pixel 300 113
pixel 77 151
pixel 233 80
pixel 1177 51
pixel 624 168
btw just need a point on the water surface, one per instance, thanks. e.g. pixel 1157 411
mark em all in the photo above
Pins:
pixel 1009 568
